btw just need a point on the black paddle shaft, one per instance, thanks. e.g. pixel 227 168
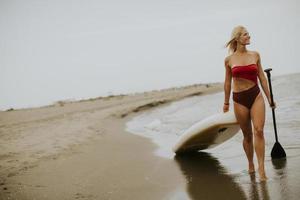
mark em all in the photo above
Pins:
pixel 272 101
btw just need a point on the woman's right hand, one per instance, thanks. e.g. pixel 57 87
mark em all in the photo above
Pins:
pixel 225 108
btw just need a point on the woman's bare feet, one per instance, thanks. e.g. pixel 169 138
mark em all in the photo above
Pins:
pixel 262 174
pixel 251 168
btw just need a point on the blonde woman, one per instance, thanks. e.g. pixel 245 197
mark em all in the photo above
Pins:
pixel 244 68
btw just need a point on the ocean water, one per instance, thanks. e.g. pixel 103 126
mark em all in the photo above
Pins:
pixel 164 125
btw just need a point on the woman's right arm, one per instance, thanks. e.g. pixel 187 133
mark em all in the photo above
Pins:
pixel 227 84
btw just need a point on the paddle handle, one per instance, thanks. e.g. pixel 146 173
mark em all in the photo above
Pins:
pixel 268 71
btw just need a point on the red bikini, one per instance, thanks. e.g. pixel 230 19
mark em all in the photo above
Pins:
pixel 249 72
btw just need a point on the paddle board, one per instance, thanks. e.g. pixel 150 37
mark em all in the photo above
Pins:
pixel 207 133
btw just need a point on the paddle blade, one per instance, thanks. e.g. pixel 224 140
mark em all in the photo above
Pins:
pixel 278 151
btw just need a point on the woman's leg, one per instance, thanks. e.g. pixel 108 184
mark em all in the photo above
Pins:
pixel 257 114
pixel 242 114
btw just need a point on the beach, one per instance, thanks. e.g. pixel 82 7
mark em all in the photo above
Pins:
pixel 95 95
pixel 80 150
pixel 120 147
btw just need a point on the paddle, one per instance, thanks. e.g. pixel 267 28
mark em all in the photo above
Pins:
pixel 277 150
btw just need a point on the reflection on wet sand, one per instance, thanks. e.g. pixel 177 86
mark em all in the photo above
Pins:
pixel 206 178
pixel 258 190
pixel 279 166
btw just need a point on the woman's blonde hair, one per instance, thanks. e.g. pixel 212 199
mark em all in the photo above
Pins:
pixel 235 34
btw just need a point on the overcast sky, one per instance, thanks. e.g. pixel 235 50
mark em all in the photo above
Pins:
pixel 55 50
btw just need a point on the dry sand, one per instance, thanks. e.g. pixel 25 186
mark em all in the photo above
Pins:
pixel 80 150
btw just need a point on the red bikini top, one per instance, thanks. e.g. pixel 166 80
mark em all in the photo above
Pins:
pixel 249 72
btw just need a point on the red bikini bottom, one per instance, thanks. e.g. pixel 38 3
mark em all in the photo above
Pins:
pixel 246 97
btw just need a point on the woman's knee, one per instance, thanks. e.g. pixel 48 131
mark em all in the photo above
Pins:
pixel 258 132
pixel 248 138
pixel 247 133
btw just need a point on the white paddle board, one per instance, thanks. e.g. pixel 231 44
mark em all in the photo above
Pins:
pixel 208 133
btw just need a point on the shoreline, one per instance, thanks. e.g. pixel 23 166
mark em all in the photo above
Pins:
pixel 61 103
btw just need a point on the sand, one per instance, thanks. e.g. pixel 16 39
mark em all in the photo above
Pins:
pixel 80 150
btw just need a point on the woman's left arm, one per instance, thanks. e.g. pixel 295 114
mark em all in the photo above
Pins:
pixel 262 79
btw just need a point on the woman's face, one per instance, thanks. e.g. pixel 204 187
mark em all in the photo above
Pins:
pixel 244 38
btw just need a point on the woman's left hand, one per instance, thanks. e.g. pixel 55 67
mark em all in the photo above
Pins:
pixel 273 106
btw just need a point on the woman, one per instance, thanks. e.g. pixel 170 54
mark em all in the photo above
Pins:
pixel 244 68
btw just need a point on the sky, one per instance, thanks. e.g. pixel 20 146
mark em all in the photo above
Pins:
pixel 70 50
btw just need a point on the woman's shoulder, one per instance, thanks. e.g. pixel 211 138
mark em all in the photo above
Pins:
pixel 254 53
pixel 227 60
